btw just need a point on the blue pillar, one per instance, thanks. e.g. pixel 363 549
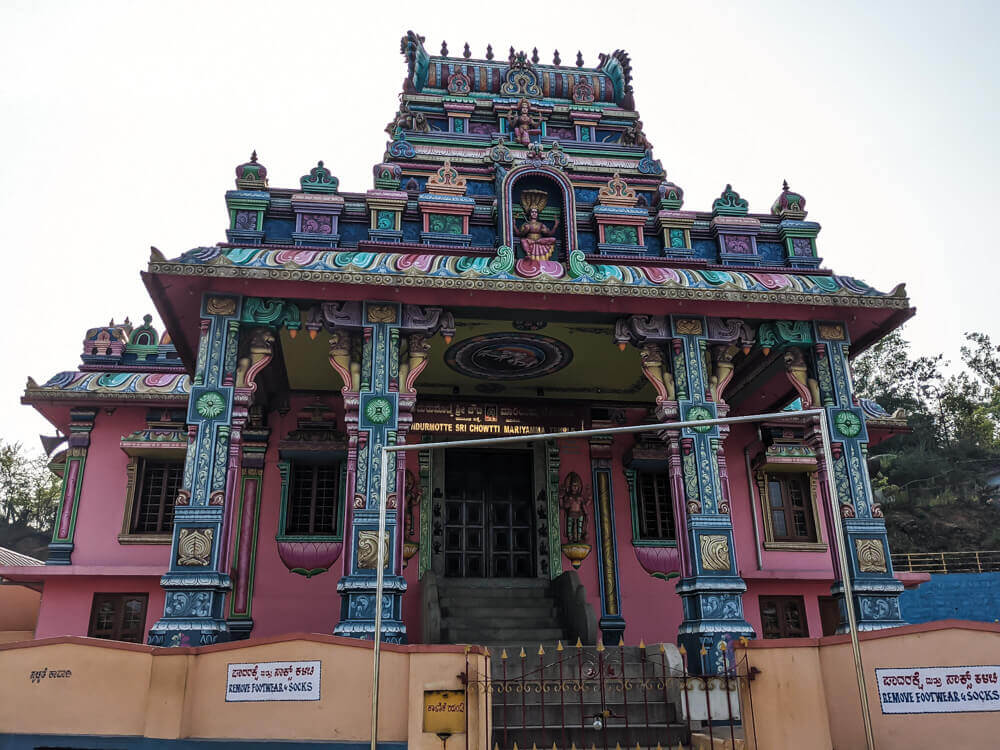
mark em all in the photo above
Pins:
pixel 196 583
pixel 711 588
pixel 876 591
pixel 378 349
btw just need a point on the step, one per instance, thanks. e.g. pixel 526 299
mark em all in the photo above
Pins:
pixel 529 638
pixel 547 618
pixel 458 605
pixel 504 601
pixel 493 584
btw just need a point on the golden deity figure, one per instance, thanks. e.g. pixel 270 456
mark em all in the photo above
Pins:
pixel 536 238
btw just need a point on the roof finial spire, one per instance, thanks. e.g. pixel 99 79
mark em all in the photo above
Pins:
pixel 555 58
pixel 467 53
pixel 444 49
pixel 784 185
pixel 534 55
pixel 489 51
pixel 253 156
pixel 510 57
pixel 579 59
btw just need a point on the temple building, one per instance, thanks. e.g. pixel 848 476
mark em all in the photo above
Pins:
pixel 521 264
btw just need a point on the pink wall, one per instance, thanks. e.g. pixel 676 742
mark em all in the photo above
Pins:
pixel 102 496
pixel 285 602
pixel 67 601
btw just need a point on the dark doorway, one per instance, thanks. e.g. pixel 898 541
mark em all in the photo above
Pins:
pixel 489 524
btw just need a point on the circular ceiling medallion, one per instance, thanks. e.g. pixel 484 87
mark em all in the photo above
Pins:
pixel 508 356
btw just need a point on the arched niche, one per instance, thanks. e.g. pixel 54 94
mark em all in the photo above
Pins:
pixel 560 196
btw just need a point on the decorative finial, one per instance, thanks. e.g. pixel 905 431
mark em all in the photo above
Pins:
pixel 579 59
pixel 489 51
pixel 444 49
pixel 253 156
pixel 784 186
pixel 467 53
pixel 534 55
pixel 555 58
pixel 510 57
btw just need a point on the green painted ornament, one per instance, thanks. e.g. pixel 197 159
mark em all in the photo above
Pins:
pixel 210 405
pixel 697 413
pixel 378 410
pixel 848 423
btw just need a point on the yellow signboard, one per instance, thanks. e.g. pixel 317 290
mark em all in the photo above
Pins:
pixel 444 711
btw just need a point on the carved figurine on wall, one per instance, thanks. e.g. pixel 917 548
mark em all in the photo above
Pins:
pixel 536 238
pixel 634 136
pixel 406 119
pixel 798 374
pixel 571 500
pixel 345 360
pixel 413 353
pixel 655 370
pixel 523 124
pixel 414 494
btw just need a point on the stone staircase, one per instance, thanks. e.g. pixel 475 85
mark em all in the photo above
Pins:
pixel 498 612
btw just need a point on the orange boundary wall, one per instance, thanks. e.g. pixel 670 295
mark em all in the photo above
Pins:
pixel 124 689
pixel 806 694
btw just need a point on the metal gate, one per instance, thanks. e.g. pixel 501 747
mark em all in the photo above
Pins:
pixel 625 697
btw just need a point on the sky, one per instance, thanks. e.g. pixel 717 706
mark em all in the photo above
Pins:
pixel 121 123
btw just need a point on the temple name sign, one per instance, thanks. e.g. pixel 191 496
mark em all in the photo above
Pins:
pixel 939 690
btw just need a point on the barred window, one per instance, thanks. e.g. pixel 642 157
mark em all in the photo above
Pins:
pixel 159 482
pixel 790 507
pixel 119 617
pixel 313 500
pixel 655 511
pixel 783 617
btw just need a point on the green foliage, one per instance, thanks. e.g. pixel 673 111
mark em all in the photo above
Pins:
pixel 939 471
pixel 29 491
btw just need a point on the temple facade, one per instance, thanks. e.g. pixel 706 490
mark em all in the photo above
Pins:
pixel 520 265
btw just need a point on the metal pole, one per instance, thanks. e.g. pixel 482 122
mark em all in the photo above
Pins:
pixel 831 491
pixel 379 581
pixel 845 578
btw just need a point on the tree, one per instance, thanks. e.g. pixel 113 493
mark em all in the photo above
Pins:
pixel 933 480
pixel 29 496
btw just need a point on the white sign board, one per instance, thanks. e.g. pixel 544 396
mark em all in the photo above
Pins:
pixel 710 698
pixel 273 681
pixel 938 690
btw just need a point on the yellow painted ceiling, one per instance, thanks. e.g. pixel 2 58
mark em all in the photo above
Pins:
pixel 598 370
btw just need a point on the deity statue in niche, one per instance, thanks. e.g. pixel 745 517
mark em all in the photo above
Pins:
pixel 634 136
pixel 536 238
pixel 523 124
pixel 571 500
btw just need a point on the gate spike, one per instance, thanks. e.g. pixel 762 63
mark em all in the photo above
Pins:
pixel 578 644
pixel 642 643
pixel 534 746
pixel 523 655
pixel 682 651
pixel 637 746
pixel 600 645
pixel 515 746
pixel 618 746
pixel 559 646
pixel 621 641
pixel 554 746
pixel 486 651
pixel 496 746
pixel 503 654
pixel 572 746
pixel 541 651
